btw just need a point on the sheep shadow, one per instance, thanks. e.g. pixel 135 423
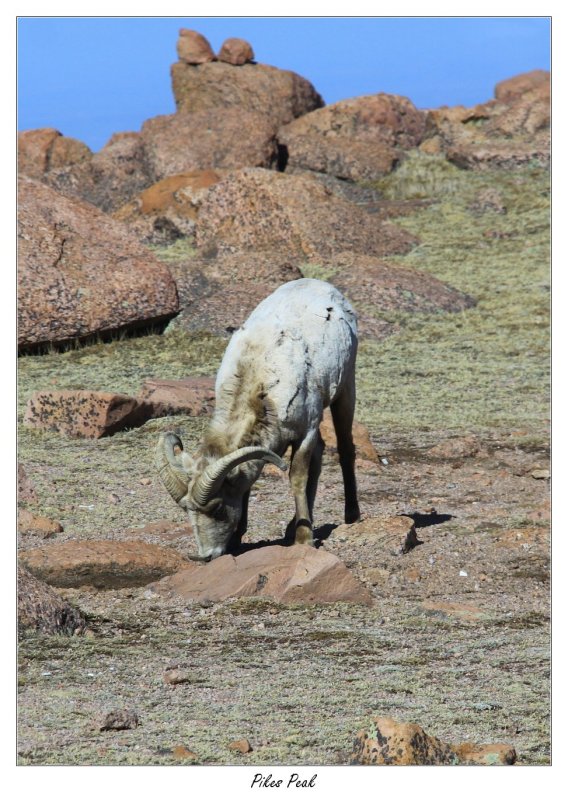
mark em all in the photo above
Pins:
pixel 320 534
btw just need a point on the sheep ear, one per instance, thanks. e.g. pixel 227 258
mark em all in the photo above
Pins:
pixel 173 465
pixel 209 483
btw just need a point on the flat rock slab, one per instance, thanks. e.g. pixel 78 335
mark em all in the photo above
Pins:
pixel 103 564
pixel 297 574
pixel 396 534
pixel 84 414
pixel 388 742
pixel 191 396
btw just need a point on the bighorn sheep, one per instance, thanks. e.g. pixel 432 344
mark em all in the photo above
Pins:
pixel 293 357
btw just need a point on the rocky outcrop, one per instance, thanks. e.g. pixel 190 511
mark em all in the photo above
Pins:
pixel 81 272
pixel 85 414
pixel 388 742
pixel 260 209
pixel 104 564
pixel 41 609
pixel 217 138
pixel 278 94
pixel 167 210
pixel 360 139
pixel 110 178
pixel 106 179
pixel 298 574
pixel 513 88
pixel 45 149
pixel 511 130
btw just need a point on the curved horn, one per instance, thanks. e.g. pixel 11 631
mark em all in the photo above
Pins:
pixel 209 483
pixel 170 467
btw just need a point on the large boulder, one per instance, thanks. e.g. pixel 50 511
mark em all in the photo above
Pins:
pixel 212 138
pixel 374 286
pixel 80 272
pixel 298 574
pixel 219 290
pixel 222 311
pixel 261 209
pixel 360 139
pixel 168 209
pixel 279 94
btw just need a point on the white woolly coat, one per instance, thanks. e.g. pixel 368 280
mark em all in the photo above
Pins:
pixel 300 343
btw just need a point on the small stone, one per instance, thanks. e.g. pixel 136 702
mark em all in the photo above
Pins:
pixel 176 676
pixel 241 746
pixel 236 52
pixel 540 474
pixel 361 438
pixel 113 498
pixel 118 720
pixel 146 481
pixel 28 522
pixel 181 751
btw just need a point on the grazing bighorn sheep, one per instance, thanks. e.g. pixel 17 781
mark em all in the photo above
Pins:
pixel 293 357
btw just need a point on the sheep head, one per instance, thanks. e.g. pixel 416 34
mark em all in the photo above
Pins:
pixel 211 491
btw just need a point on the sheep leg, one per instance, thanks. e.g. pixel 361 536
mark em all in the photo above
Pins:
pixel 342 412
pixel 235 542
pixel 303 480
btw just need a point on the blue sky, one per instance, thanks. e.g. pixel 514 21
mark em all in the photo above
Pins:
pixel 90 77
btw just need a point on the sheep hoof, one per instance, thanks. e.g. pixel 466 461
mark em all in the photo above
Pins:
pixel 304 535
